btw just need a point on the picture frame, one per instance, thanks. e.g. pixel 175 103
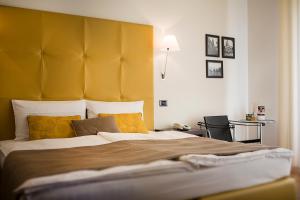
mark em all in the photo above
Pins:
pixel 228 47
pixel 214 69
pixel 212 45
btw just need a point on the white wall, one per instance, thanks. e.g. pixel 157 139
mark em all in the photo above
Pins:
pixel 297 137
pixel 189 93
pixel 264 46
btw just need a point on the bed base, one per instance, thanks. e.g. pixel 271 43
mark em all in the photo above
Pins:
pixel 283 189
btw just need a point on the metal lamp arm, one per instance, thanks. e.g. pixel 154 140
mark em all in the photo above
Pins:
pixel 163 74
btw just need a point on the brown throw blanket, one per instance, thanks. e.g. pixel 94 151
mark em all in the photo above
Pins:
pixel 20 166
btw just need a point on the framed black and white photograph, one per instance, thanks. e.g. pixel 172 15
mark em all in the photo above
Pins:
pixel 228 47
pixel 212 43
pixel 214 69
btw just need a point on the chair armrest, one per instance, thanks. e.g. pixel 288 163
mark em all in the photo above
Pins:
pixel 232 126
pixel 201 124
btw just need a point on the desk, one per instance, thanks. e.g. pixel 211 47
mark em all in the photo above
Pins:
pixel 198 132
pixel 258 123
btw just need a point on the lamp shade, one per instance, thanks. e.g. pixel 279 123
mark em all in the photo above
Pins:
pixel 170 43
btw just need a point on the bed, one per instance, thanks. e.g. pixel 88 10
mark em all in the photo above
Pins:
pixel 143 180
pixel 52 56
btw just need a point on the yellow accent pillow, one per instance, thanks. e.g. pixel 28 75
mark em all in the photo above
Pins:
pixel 43 127
pixel 128 122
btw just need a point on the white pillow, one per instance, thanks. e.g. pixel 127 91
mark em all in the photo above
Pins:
pixel 43 108
pixel 96 107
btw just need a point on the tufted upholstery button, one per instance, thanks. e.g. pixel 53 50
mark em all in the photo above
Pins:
pixel 122 59
pixel 43 53
pixel 37 52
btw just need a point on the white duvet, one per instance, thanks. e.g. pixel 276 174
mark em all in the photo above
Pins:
pixel 8 146
pixel 162 135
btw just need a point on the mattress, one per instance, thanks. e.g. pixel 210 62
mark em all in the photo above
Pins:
pixel 211 174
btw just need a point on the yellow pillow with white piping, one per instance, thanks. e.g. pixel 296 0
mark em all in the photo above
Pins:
pixel 128 122
pixel 46 127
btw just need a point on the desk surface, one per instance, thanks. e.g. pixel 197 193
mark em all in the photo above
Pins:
pixel 267 121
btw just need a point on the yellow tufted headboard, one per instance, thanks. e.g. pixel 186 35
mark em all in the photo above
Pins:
pixel 52 56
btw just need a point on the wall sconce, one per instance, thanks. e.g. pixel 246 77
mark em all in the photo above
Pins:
pixel 169 44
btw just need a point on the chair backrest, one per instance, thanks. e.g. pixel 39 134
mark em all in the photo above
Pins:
pixel 218 127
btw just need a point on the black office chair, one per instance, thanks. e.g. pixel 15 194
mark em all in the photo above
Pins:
pixel 219 127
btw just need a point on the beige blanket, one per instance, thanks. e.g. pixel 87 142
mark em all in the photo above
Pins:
pixel 20 166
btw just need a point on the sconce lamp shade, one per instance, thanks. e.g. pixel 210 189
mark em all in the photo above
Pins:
pixel 170 43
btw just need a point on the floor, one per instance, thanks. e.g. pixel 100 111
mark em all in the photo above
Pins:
pixel 296 175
